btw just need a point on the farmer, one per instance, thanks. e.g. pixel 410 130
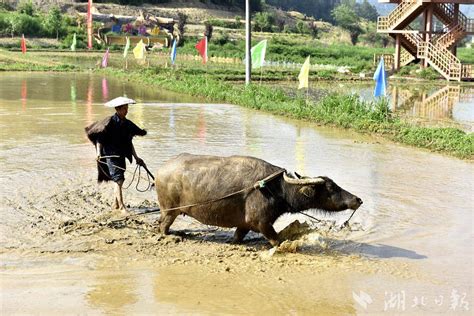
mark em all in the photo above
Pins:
pixel 112 138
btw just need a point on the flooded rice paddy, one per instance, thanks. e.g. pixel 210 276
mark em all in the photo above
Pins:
pixel 63 250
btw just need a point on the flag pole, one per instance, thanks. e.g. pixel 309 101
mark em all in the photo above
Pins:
pixel 248 58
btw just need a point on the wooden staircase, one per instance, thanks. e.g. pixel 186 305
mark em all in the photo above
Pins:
pixel 399 18
pixel 436 51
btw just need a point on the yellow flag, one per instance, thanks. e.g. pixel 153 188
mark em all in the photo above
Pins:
pixel 139 50
pixel 304 74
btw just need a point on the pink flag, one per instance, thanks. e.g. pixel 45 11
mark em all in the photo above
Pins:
pixel 89 24
pixel 201 46
pixel 105 59
pixel 23 44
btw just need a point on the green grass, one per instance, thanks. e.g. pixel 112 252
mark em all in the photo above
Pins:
pixel 466 55
pixel 359 58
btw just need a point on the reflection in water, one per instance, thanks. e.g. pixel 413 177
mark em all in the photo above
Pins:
pixel 73 95
pixel 89 99
pixel 299 152
pixel 105 90
pixel 437 106
pixel 24 94
pixel 250 138
pixel 201 126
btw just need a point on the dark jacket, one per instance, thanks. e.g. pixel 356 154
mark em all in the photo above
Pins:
pixel 116 136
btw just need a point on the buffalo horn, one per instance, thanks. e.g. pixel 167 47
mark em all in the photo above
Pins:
pixel 303 181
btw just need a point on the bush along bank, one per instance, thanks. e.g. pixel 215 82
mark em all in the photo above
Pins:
pixel 346 111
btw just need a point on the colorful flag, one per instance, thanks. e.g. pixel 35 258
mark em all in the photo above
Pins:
pixel 74 42
pixel 304 74
pixel 201 47
pixel 89 24
pixel 258 54
pixel 380 80
pixel 173 52
pixel 139 50
pixel 127 47
pixel 23 44
pixel 105 59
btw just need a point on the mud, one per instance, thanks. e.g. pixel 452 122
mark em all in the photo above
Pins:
pixel 63 250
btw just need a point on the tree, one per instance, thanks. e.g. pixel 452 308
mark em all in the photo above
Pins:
pixel 263 21
pixel 53 21
pixel 313 29
pixel 345 17
pixel 182 20
pixel 238 21
pixel 302 27
pixel 208 30
pixel 366 11
pixel 319 9
pixel 14 23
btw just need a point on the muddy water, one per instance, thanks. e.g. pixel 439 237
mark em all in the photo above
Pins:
pixel 408 249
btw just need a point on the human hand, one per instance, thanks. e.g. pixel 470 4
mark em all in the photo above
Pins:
pixel 139 161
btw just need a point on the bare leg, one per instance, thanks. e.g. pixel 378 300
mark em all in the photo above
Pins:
pixel 239 235
pixel 269 232
pixel 166 219
pixel 119 196
pixel 115 204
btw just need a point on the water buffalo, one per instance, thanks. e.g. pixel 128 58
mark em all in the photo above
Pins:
pixel 194 181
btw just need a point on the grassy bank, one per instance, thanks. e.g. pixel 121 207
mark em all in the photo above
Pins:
pixel 337 110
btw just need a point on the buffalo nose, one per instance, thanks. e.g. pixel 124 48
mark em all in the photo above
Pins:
pixel 359 201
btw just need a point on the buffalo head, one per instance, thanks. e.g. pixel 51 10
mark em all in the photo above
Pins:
pixel 321 193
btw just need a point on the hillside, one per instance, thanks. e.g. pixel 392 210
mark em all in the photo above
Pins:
pixel 196 10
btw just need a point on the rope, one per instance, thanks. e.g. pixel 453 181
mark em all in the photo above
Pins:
pixel 257 185
pixel 150 183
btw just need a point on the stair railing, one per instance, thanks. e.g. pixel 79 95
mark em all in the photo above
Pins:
pixel 405 7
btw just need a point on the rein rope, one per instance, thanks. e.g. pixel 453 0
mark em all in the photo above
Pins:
pixel 261 184
pixel 137 168
pixel 257 185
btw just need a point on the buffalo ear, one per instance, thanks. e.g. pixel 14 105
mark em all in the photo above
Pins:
pixel 307 191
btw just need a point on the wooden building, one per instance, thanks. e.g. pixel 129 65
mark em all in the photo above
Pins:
pixel 440 25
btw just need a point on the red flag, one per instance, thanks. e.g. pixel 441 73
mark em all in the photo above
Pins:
pixel 23 44
pixel 89 24
pixel 201 46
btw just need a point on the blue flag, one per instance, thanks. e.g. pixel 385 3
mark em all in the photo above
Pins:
pixel 380 80
pixel 173 52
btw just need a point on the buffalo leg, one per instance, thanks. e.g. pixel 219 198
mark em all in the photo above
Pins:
pixel 269 232
pixel 166 219
pixel 239 235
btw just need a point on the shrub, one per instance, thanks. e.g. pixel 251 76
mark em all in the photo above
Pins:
pixel 222 39
pixel 4 25
pixel 20 23
pixel 428 73
pixel 26 7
